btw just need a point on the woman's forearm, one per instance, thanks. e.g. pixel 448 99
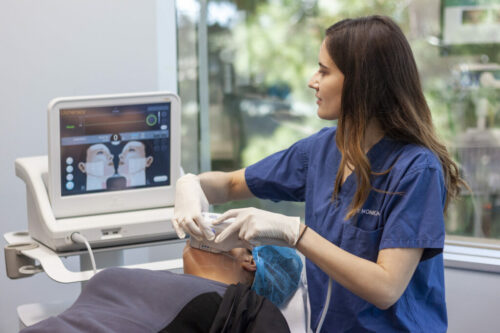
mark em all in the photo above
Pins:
pixel 220 187
pixel 380 283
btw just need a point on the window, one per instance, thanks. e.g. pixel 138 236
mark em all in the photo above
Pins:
pixel 262 53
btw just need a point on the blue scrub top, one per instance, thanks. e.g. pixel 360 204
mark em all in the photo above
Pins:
pixel 410 216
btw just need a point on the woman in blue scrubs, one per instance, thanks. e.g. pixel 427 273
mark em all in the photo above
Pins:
pixel 376 188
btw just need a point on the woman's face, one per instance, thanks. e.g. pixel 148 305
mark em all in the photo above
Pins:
pixel 327 82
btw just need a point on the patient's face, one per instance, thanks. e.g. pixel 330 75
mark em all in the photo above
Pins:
pixel 132 155
pixel 193 256
pixel 101 158
pixel 232 263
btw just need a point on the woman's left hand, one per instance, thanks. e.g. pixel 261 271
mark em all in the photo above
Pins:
pixel 260 227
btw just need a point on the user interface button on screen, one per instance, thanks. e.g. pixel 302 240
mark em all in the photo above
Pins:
pixel 159 179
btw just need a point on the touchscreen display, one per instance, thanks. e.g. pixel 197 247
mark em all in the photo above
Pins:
pixel 114 148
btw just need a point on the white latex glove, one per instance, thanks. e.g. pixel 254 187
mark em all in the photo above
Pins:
pixel 190 202
pixel 228 244
pixel 260 227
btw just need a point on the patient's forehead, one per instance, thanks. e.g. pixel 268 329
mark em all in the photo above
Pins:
pixel 96 148
pixel 134 145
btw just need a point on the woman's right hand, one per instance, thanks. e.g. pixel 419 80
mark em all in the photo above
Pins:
pixel 190 202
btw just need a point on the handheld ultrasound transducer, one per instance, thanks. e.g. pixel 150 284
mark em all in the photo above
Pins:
pixel 211 246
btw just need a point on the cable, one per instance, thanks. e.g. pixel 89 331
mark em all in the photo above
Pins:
pixel 325 307
pixel 79 238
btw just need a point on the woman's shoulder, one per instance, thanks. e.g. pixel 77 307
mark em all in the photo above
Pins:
pixel 412 158
pixel 330 131
pixel 326 133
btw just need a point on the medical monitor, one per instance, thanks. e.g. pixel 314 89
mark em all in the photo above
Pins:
pixel 113 153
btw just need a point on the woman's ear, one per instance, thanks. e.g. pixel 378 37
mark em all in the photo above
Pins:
pixel 248 264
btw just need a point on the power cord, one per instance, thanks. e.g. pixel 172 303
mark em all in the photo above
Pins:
pixel 325 307
pixel 79 238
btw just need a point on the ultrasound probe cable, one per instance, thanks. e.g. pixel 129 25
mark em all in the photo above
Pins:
pixel 77 237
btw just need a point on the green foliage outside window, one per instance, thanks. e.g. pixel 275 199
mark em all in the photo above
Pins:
pixel 272 49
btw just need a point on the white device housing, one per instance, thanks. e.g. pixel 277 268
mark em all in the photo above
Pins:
pixel 101 230
pixel 112 201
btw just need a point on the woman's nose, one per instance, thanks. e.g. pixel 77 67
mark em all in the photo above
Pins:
pixel 313 82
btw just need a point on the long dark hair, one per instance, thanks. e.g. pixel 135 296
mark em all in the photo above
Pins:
pixel 381 82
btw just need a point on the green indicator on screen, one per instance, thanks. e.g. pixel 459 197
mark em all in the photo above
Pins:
pixel 151 119
pixel 70 126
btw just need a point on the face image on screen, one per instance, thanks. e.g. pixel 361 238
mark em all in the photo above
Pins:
pixel 115 148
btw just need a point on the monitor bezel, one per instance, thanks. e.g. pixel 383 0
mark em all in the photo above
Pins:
pixel 112 201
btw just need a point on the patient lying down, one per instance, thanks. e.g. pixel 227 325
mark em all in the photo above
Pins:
pixel 214 295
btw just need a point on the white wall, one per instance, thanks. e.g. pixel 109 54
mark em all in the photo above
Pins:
pixel 57 48
pixel 62 48
pixel 473 300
